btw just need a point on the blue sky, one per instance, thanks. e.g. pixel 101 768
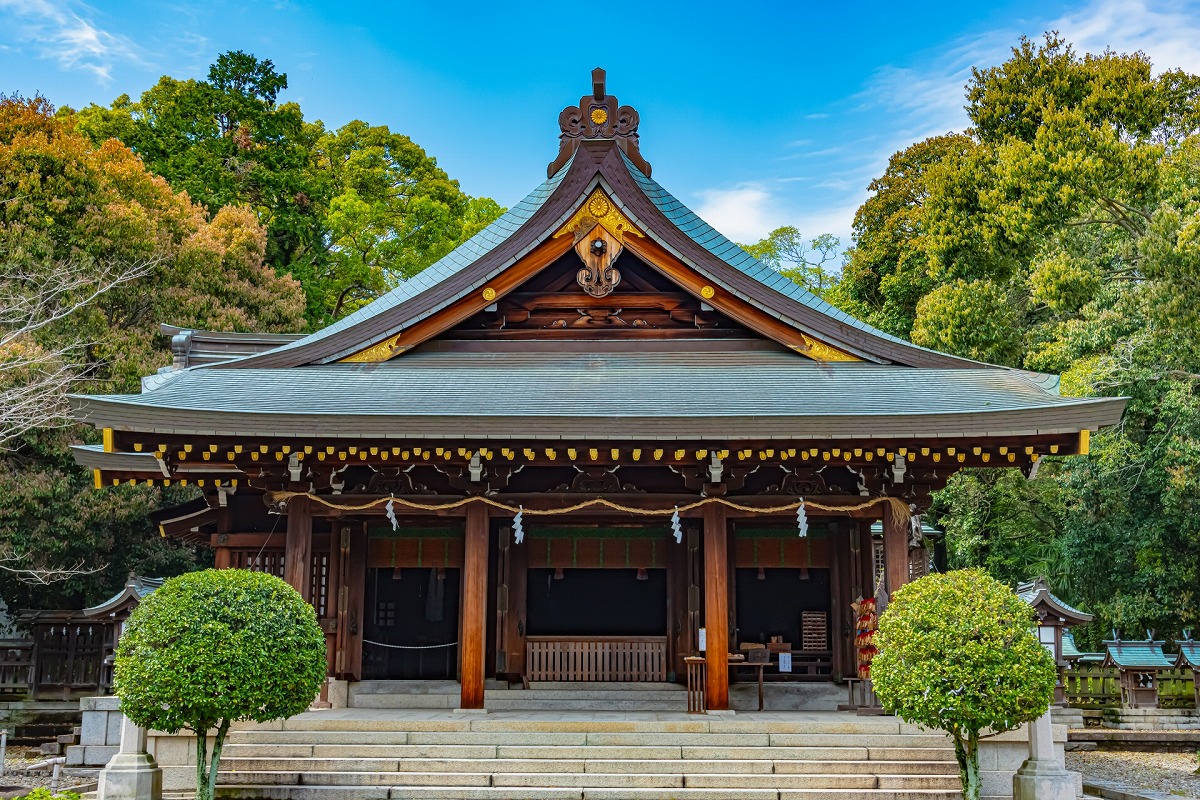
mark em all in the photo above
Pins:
pixel 754 114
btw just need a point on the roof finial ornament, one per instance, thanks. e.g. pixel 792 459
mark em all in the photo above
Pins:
pixel 598 117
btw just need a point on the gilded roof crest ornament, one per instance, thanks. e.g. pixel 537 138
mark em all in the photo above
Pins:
pixel 598 117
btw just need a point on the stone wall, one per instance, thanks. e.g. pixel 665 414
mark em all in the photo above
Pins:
pixel 99 732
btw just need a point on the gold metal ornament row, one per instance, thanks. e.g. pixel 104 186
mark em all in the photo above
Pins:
pixel 899 507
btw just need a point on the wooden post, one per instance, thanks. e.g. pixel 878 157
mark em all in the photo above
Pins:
pixel 474 605
pixel 838 569
pixel 297 557
pixel 716 608
pixel 222 558
pixel 895 549
pixel 351 538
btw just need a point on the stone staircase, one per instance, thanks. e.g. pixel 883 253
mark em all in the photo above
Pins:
pixel 407 755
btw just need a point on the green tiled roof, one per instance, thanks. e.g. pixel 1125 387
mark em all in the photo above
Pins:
pixel 768 394
pixel 1189 653
pixel 1143 654
pixel 1069 650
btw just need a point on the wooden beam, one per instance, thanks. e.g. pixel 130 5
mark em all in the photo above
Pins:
pixel 474 606
pixel 297 559
pixel 716 608
pixel 895 549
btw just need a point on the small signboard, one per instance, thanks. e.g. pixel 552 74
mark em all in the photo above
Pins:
pixel 703 639
pixel 785 662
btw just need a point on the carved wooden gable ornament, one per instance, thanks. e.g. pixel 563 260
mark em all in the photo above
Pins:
pixel 598 117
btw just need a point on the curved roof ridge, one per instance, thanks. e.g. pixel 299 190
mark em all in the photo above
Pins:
pixel 457 259
pixel 729 252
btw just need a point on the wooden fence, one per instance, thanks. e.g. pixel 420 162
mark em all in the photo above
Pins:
pixel 596 658
pixel 1092 686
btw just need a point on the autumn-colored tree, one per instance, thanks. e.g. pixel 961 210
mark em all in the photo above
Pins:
pixel 71 207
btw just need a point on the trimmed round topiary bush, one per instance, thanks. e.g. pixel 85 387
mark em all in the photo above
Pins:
pixel 214 647
pixel 958 651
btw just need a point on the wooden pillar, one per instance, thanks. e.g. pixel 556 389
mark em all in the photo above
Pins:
pixel 297 557
pixel 838 603
pixel 474 606
pixel 716 608
pixel 895 549
pixel 222 556
pixel 350 537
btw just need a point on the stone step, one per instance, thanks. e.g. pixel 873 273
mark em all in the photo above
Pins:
pixel 519 702
pixel 415 700
pixel 393 766
pixel 279 792
pixel 404 687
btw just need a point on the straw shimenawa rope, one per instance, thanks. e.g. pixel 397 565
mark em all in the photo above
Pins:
pixel 899 507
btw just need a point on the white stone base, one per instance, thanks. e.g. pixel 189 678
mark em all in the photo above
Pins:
pixel 130 777
pixel 1036 780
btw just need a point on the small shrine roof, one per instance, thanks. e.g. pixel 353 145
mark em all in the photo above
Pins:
pixel 1189 653
pixel 1070 651
pixel 1139 654
pixel 1037 594
pixel 133 592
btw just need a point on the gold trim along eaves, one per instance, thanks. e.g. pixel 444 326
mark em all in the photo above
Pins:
pixel 819 351
pixel 376 353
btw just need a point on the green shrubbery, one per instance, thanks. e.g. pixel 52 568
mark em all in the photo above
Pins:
pixel 957 651
pixel 214 647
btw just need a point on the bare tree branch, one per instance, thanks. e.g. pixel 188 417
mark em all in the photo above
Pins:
pixel 44 576
pixel 34 377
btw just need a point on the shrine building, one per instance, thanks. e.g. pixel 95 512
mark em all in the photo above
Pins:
pixel 595 439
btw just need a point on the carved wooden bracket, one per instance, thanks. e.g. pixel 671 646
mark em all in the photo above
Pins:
pixel 491 480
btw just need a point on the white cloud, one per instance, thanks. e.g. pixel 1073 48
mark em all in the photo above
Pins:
pixel 744 213
pixel 1165 31
pixel 66 32
pixel 749 212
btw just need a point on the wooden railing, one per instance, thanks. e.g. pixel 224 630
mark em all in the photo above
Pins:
pixel 1091 686
pixel 596 658
pixel 16 665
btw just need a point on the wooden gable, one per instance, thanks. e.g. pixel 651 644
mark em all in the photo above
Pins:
pixel 599 276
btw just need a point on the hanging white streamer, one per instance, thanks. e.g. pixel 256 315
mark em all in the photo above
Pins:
pixel 391 514
pixel 518 529
pixel 676 528
pixel 802 519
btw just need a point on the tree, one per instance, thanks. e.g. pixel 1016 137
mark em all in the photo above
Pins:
pixel 349 213
pixel 390 212
pixel 1059 234
pixel 95 251
pixel 957 652
pixel 215 647
pixel 802 262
